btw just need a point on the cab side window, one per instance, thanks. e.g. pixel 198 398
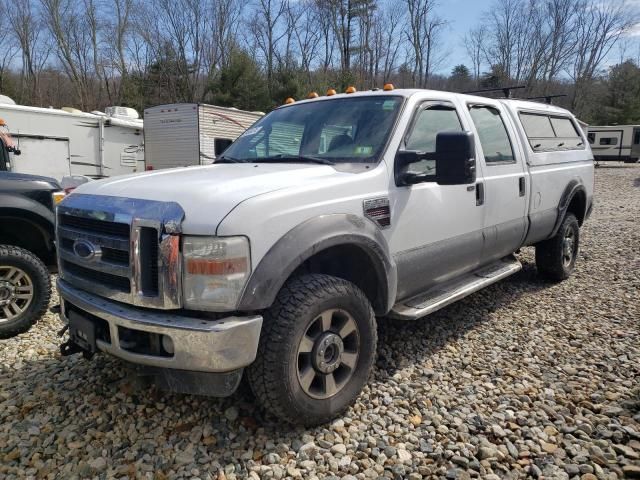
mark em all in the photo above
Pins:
pixel 493 135
pixel 422 137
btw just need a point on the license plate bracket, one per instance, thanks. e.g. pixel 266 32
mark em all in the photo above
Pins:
pixel 82 331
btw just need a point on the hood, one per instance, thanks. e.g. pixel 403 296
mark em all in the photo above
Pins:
pixel 207 194
pixel 10 181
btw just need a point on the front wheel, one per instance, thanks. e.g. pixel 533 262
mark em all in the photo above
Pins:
pixel 25 289
pixel 316 351
pixel 556 257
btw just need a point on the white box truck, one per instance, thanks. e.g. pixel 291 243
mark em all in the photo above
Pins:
pixel 184 134
pixel 67 142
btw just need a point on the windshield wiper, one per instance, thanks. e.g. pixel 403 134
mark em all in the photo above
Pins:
pixel 292 158
pixel 225 159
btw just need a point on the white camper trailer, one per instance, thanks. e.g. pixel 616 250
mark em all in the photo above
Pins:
pixel 615 142
pixel 67 142
pixel 183 134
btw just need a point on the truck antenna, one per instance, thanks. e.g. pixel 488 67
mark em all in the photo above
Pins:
pixel 505 90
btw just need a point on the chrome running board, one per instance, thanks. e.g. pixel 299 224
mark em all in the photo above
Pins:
pixel 442 295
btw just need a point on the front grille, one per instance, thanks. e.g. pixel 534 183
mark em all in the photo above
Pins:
pixel 95 226
pixel 112 255
pixel 121 284
pixel 121 248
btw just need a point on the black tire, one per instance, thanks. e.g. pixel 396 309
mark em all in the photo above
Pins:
pixel 30 278
pixel 276 375
pixel 555 258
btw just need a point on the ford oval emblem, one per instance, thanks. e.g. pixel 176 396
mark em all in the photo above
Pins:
pixel 85 249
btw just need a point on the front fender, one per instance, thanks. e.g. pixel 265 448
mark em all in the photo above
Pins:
pixel 12 205
pixel 309 238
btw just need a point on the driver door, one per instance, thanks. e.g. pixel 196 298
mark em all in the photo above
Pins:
pixel 438 228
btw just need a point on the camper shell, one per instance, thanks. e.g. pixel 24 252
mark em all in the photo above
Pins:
pixel 615 142
pixel 184 134
pixel 60 143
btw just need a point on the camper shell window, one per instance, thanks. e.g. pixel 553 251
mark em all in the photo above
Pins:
pixel 609 141
pixel 636 138
pixel 551 132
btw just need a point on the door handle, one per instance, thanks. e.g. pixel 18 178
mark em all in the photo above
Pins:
pixel 521 186
pixel 479 193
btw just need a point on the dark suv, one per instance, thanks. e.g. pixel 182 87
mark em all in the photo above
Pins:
pixel 26 246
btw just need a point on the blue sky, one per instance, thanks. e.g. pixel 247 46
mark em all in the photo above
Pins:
pixel 464 15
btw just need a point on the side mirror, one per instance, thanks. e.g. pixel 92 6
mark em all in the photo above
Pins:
pixel 455 158
pixel 405 158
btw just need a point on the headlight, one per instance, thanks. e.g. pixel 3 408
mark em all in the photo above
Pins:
pixel 215 270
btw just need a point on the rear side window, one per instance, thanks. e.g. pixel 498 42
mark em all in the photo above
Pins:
pixel 551 133
pixel 492 134
pixel 609 141
pixel 591 137
pixel 636 138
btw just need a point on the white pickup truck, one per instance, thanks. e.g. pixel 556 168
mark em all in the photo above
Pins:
pixel 327 213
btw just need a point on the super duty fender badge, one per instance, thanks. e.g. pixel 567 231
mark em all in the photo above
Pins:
pixel 378 210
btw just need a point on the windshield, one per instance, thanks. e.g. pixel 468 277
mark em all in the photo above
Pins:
pixel 332 131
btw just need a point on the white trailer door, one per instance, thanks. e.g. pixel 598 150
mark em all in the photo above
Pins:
pixel 42 156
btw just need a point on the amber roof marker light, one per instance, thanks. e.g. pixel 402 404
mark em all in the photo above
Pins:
pixel 388 87
pixel 331 92
pixel 351 89
pixel 313 95
pixel 289 101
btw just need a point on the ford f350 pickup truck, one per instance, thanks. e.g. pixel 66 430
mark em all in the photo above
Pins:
pixel 327 213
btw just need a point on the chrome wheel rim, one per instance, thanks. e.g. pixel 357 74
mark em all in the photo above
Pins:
pixel 328 353
pixel 568 247
pixel 16 292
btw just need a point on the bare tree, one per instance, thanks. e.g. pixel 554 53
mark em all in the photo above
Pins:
pixel 560 18
pixel 307 36
pixel 268 31
pixel 596 30
pixel 322 14
pixel 34 48
pixel 476 49
pixel 75 35
pixel 423 34
pixel 9 46
pixel 113 67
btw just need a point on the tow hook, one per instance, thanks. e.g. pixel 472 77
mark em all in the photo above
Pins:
pixel 70 348
pixel 63 329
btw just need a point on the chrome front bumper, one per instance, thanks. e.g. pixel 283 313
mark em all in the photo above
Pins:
pixel 199 345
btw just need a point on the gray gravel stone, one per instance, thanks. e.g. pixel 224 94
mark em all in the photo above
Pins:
pixel 524 379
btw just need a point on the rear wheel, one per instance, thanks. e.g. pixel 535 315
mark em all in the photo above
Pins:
pixel 25 290
pixel 317 349
pixel 556 257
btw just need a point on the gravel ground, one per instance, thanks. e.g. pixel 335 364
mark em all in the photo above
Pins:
pixel 523 379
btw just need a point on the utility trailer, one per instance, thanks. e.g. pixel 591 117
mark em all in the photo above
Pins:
pixel 185 134
pixel 67 142
pixel 615 142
